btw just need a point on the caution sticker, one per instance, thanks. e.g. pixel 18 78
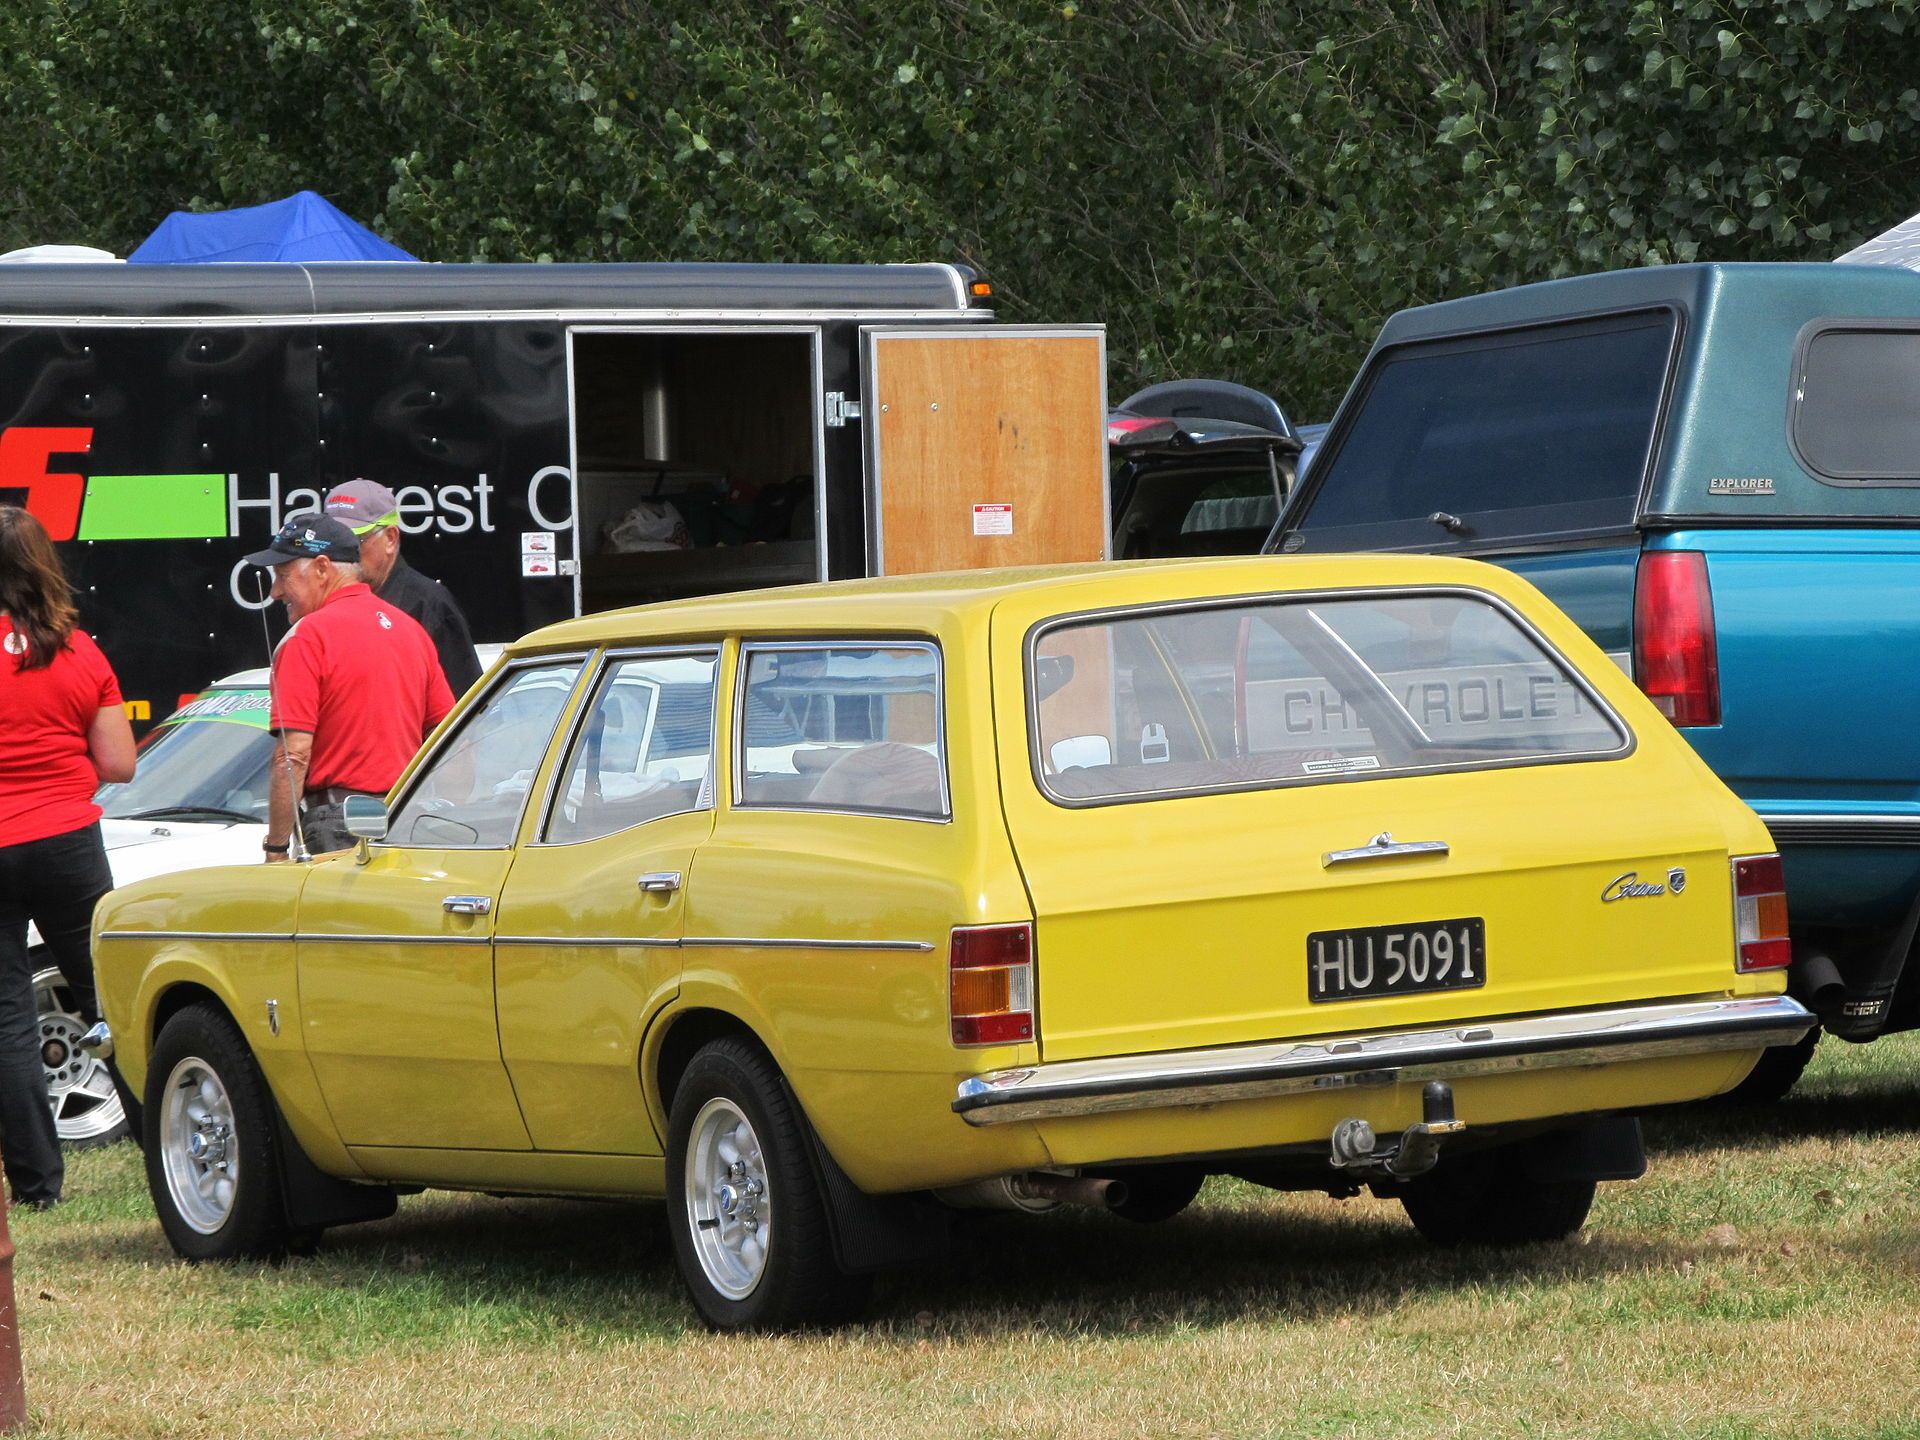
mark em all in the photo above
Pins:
pixel 993 519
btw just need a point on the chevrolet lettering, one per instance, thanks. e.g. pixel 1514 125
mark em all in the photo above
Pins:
pixel 820 913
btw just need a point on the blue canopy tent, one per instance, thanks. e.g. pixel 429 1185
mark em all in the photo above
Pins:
pixel 300 227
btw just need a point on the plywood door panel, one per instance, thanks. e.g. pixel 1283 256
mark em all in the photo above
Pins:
pixel 999 418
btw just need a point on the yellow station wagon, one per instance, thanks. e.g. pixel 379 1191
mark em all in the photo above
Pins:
pixel 822 912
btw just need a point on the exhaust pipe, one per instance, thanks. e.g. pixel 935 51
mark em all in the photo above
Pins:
pixel 1815 981
pixel 1035 1193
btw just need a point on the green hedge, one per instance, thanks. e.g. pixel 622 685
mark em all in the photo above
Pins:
pixel 1236 189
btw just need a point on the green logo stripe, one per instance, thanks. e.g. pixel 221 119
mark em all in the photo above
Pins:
pixel 155 507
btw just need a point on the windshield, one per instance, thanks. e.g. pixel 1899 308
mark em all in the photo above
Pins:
pixel 208 760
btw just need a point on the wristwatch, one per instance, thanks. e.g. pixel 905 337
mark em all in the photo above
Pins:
pixel 273 849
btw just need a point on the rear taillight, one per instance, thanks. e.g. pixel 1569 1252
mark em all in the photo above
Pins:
pixel 1675 657
pixel 1760 913
pixel 990 984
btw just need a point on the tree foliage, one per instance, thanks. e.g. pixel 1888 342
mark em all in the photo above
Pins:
pixel 1244 190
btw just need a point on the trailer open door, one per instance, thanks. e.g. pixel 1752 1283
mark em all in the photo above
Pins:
pixel 984 446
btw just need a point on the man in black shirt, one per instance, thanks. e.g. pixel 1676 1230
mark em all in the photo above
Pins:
pixel 371 512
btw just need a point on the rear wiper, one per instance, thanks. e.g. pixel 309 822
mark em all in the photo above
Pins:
pixel 193 812
pixel 1452 524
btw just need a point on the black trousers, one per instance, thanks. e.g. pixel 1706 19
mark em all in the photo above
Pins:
pixel 55 883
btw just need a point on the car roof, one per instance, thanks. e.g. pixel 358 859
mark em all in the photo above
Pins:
pixel 925 603
pixel 258 679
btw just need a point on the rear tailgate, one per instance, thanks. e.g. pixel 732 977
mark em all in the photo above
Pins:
pixel 1593 873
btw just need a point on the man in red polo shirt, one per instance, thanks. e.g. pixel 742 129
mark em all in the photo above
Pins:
pixel 357 686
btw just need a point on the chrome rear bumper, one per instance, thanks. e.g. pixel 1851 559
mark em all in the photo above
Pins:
pixel 1244 1072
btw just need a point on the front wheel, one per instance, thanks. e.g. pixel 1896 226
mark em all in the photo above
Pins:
pixel 750 1225
pixel 210 1142
pixel 86 1106
pixel 1485 1198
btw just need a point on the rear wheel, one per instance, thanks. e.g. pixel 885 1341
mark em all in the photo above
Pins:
pixel 86 1107
pixel 750 1225
pixel 210 1142
pixel 1486 1198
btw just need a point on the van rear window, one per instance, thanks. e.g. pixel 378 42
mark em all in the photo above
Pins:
pixel 1247 695
pixel 1493 438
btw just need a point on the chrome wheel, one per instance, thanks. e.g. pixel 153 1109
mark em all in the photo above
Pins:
pixel 86 1107
pixel 729 1209
pixel 198 1148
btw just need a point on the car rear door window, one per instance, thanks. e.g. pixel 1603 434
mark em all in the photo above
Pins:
pixel 842 727
pixel 644 750
pixel 1244 695
pixel 1489 439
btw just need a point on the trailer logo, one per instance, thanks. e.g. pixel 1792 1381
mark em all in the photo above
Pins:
pixel 106 507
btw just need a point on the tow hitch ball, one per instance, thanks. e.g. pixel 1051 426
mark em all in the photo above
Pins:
pixel 1356 1150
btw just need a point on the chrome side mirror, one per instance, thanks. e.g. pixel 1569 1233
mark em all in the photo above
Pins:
pixel 365 817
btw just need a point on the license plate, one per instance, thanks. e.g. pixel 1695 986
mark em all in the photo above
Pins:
pixel 1396 959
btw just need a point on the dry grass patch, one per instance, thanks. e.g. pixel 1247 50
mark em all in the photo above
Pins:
pixel 1761 1281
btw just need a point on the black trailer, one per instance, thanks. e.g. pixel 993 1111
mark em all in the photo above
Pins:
pixel 562 438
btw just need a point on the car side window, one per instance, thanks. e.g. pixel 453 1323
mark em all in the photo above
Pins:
pixel 475 788
pixel 644 750
pixel 843 727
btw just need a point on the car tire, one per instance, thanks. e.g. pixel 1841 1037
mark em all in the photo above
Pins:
pixel 1158 1192
pixel 1778 1071
pixel 87 1109
pixel 750 1225
pixel 211 1147
pixel 1483 1199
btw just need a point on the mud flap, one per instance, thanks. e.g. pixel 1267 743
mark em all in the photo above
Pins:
pixel 875 1232
pixel 314 1199
pixel 1605 1149
pixel 1862 1015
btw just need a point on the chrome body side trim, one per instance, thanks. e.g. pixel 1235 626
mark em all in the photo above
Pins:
pixel 740 942
pixel 244 937
pixel 1841 828
pixel 1244 1072
pixel 306 938
pixel 605 942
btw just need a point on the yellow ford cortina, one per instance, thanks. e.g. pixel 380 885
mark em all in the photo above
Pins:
pixel 822 912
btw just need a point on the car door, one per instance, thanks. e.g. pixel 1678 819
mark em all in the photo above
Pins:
pixel 396 954
pixel 589 927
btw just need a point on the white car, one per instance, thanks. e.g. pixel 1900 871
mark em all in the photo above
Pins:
pixel 198 798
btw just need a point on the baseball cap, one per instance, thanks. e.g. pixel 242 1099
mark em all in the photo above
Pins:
pixel 362 505
pixel 306 536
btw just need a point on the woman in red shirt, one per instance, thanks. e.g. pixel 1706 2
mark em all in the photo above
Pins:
pixel 62 733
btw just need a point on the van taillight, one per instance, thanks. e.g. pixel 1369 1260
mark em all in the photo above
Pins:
pixel 1675 658
pixel 1760 913
pixel 990 984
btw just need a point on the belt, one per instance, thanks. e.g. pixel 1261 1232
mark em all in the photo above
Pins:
pixel 333 795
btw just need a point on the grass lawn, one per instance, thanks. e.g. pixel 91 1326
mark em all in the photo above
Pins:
pixel 1763 1280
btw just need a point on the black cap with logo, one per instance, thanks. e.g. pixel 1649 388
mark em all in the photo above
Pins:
pixel 308 536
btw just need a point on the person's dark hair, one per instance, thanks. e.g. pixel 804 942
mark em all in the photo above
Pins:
pixel 34 593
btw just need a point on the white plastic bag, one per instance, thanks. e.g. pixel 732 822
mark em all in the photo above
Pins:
pixel 650 525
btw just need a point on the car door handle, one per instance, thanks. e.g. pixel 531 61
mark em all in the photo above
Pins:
pixel 1383 847
pixel 660 882
pixel 467 904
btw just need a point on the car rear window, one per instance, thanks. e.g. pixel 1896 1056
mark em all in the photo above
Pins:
pixel 1245 695
pixel 1491 438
